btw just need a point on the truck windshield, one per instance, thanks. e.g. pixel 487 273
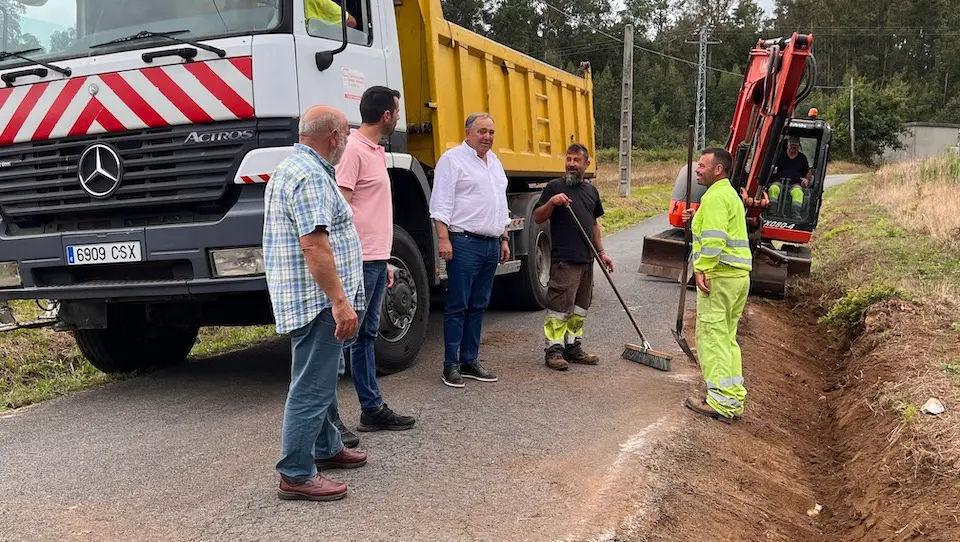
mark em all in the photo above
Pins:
pixel 67 28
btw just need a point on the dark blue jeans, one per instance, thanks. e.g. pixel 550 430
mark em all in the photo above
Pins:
pixel 469 283
pixel 363 365
pixel 308 430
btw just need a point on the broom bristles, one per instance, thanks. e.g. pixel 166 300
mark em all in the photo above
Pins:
pixel 653 358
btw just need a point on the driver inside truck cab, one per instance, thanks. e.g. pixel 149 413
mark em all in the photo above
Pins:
pixel 793 169
pixel 327 11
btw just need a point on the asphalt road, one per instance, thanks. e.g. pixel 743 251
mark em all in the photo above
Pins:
pixel 188 453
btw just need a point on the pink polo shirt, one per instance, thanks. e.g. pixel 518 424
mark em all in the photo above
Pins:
pixel 363 169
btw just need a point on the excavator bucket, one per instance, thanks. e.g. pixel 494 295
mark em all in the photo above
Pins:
pixel 663 254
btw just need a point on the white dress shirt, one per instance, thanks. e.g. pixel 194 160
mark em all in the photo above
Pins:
pixel 469 194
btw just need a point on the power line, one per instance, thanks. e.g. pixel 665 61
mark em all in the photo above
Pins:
pixel 644 49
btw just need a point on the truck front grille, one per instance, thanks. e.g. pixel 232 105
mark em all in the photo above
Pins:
pixel 166 179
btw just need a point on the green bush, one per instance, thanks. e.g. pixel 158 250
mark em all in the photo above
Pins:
pixel 847 311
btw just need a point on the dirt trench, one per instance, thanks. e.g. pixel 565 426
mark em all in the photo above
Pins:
pixel 815 433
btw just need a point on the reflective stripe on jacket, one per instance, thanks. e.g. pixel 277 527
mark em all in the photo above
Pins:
pixel 720 231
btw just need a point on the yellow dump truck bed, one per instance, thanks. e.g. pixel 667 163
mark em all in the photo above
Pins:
pixel 450 72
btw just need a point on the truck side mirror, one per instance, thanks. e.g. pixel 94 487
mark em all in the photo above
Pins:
pixel 324 59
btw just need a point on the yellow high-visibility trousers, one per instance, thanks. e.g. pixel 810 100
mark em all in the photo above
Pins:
pixel 718 316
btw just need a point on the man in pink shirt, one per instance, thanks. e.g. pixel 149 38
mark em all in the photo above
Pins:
pixel 365 184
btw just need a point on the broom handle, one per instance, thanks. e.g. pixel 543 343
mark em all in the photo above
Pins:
pixel 606 273
pixel 686 233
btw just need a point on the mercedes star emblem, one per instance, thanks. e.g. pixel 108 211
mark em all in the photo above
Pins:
pixel 99 170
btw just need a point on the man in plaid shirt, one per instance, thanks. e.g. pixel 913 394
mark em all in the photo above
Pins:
pixel 314 272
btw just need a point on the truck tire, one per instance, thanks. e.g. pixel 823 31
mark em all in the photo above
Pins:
pixel 135 345
pixel 527 288
pixel 406 307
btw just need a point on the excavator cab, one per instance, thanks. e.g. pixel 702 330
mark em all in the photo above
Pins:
pixel 788 211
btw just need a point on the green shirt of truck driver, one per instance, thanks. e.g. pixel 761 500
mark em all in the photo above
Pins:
pixel 327 11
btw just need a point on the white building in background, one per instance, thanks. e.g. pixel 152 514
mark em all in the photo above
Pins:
pixel 923 139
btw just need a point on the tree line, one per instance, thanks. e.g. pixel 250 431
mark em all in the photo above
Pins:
pixel 899 54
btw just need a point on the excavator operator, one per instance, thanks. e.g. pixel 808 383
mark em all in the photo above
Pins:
pixel 793 168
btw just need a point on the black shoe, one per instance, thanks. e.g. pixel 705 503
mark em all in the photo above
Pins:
pixel 349 439
pixel 477 372
pixel 451 376
pixel 384 419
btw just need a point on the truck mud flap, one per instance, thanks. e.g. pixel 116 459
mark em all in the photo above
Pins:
pixel 662 254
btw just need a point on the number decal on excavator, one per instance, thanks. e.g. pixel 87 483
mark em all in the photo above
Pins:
pixel 781 225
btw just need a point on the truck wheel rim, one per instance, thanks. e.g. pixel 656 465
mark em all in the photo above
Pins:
pixel 543 259
pixel 399 304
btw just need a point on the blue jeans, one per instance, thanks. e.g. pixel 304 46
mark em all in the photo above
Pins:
pixel 311 408
pixel 363 365
pixel 469 284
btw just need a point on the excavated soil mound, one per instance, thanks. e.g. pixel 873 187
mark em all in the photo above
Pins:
pixel 832 446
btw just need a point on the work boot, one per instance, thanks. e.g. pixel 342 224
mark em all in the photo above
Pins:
pixel 575 354
pixel 477 372
pixel 317 488
pixel 700 406
pixel 349 439
pixel 451 376
pixel 554 359
pixel 346 459
pixel 384 418
pixel 797 215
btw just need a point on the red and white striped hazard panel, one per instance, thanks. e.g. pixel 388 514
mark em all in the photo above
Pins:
pixel 262 178
pixel 191 93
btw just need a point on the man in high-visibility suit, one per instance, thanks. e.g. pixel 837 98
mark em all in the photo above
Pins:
pixel 793 168
pixel 722 263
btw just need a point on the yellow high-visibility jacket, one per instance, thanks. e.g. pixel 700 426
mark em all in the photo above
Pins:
pixel 720 244
pixel 327 11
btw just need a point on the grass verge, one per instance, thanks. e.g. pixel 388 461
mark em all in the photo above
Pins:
pixel 651 185
pixel 40 364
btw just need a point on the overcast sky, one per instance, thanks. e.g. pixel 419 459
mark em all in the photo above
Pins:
pixel 767 5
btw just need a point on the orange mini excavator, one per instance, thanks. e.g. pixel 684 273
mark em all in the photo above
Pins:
pixel 780 74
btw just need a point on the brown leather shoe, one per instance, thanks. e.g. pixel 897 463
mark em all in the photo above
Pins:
pixel 317 488
pixel 575 354
pixel 346 459
pixel 554 360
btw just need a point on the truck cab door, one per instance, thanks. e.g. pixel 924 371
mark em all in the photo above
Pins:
pixel 362 64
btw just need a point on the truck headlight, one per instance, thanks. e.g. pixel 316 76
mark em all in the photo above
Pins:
pixel 10 275
pixel 237 262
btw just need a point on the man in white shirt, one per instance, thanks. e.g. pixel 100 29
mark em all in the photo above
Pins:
pixel 469 208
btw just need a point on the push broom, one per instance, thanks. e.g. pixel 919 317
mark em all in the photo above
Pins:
pixel 641 353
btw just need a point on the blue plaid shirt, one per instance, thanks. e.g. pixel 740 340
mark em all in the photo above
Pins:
pixel 300 197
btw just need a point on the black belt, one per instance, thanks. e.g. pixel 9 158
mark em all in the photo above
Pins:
pixel 477 236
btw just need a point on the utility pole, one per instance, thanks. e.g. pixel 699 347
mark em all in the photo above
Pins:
pixel 626 113
pixel 853 151
pixel 703 40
